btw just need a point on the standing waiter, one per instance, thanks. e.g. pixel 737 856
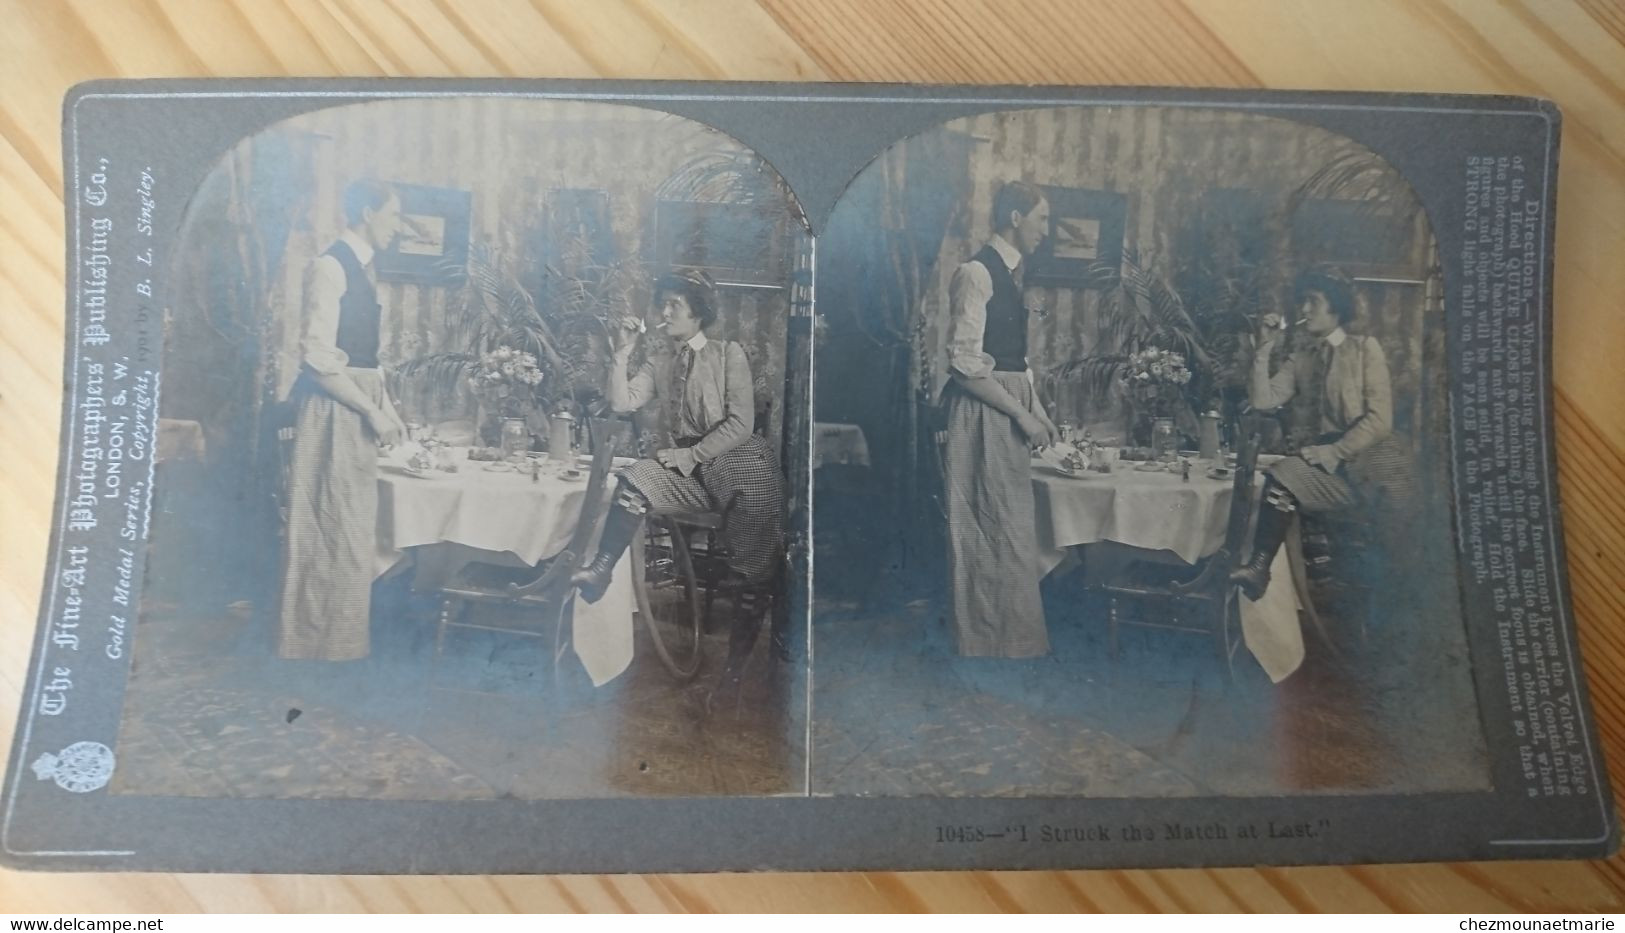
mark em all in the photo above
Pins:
pixel 994 419
pixel 344 415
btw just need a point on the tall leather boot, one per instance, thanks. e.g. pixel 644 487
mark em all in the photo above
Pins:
pixel 625 517
pixel 1273 519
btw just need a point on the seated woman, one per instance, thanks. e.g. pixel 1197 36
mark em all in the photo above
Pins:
pixel 715 457
pixel 1357 462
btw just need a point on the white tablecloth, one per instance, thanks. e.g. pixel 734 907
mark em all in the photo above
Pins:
pixel 836 444
pixel 1160 513
pixel 507 514
pixel 1154 511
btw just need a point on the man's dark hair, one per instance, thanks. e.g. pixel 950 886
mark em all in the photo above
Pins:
pixel 1334 284
pixel 1016 196
pixel 364 195
pixel 697 289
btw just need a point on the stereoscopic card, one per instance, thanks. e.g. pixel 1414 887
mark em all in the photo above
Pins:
pixel 574 476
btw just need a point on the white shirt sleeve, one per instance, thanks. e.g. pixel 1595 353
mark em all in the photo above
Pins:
pixel 318 339
pixel 630 394
pixel 968 294
pixel 1266 392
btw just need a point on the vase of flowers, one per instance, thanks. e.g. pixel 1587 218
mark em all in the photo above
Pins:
pixel 1154 382
pixel 505 381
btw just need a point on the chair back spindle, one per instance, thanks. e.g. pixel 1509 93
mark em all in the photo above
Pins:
pixel 594 510
pixel 1243 503
pixel 1243 497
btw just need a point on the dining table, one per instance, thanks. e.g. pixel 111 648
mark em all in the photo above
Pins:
pixel 1148 511
pixel 435 521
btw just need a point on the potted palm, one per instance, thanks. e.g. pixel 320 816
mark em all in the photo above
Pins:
pixel 1152 355
pixel 512 356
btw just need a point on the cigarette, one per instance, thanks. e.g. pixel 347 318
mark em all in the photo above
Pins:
pixel 662 325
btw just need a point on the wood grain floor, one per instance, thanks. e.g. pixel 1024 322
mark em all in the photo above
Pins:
pixel 1572 52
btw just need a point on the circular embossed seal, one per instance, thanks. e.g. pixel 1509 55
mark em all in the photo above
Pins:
pixel 81 767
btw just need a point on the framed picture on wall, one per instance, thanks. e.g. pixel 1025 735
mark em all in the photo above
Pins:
pixel 577 222
pixel 433 246
pixel 1086 230
pixel 736 243
pixel 575 231
pixel 1232 225
pixel 1366 239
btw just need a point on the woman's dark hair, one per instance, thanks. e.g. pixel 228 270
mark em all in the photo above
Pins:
pixel 1014 196
pixel 1335 285
pixel 697 289
pixel 364 195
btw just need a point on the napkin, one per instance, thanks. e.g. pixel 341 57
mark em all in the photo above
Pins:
pixel 1056 455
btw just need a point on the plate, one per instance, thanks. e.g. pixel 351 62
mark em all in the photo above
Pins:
pixel 1056 456
pixel 1069 474
pixel 499 467
pixel 1150 466
pixel 1217 473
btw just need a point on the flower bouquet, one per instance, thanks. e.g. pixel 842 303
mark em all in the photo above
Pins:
pixel 1153 380
pixel 505 380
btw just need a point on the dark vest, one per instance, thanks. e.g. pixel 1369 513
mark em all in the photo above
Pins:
pixel 1005 335
pixel 358 310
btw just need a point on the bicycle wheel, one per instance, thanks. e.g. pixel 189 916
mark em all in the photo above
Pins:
pixel 668 600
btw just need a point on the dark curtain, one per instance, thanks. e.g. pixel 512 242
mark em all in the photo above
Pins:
pixel 875 260
pixel 219 526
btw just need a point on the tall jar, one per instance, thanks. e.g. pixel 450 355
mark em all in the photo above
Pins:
pixel 1164 440
pixel 515 438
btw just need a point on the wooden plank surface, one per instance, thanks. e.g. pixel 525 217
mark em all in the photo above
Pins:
pixel 1572 52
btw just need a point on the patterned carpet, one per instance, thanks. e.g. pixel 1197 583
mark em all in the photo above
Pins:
pixel 1162 721
pixel 981 746
pixel 206 741
pixel 211 712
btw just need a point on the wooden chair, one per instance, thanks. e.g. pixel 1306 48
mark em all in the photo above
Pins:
pixel 1344 557
pixel 933 421
pixel 1203 602
pixel 280 418
pixel 698 533
pixel 543 593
